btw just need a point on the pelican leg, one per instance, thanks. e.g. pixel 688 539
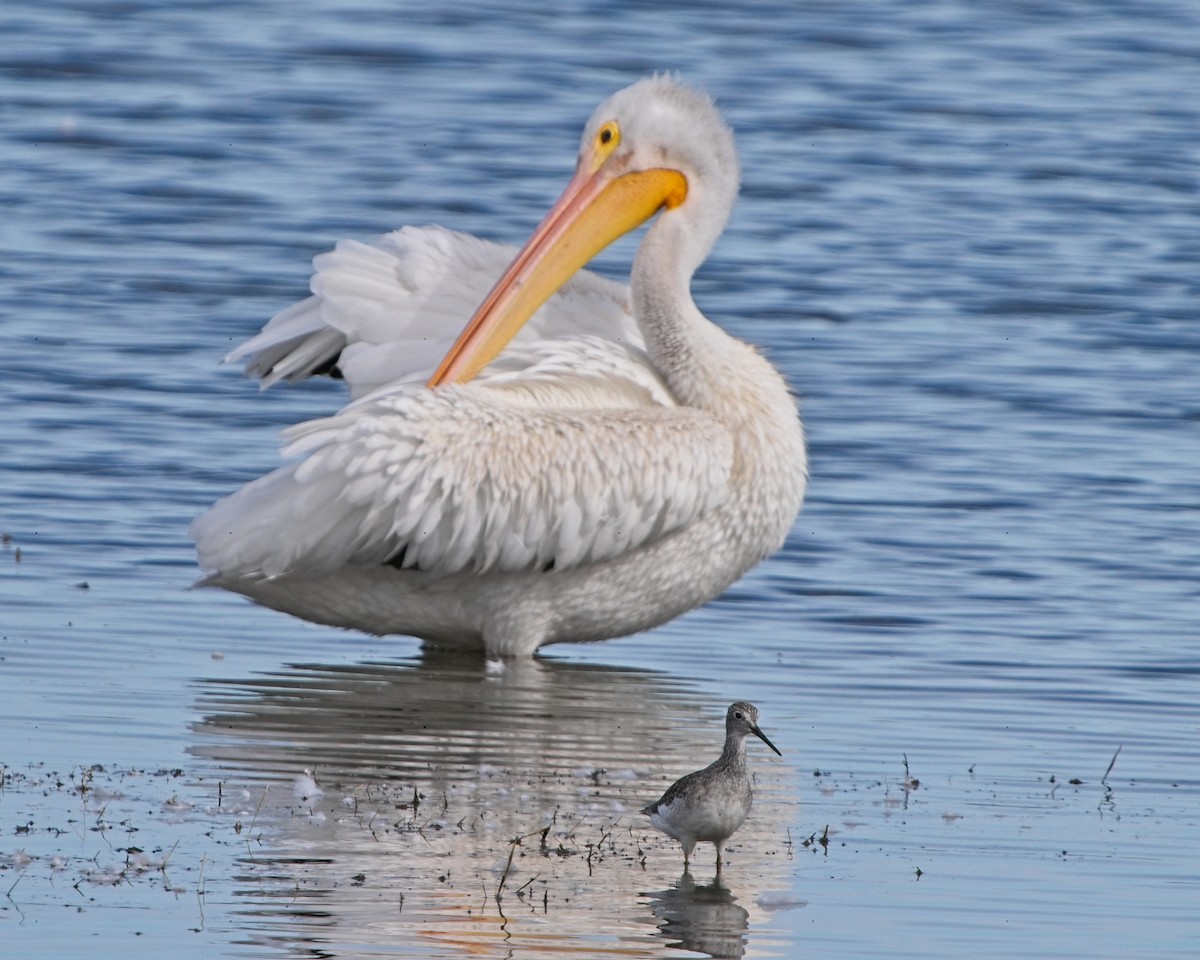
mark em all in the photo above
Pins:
pixel 503 640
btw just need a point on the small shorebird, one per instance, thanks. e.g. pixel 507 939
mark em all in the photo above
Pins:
pixel 711 804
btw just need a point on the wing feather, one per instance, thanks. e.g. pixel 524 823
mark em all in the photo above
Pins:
pixel 387 312
pixel 465 479
pixel 568 449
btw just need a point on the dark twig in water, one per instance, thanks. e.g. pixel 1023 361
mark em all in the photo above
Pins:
pixel 162 868
pixel 512 849
pixel 1111 764
pixel 14 885
pixel 594 849
pixel 254 820
pixel 520 891
pixel 814 841
pixel 1107 801
pixel 167 859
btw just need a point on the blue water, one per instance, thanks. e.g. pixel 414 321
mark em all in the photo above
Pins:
pixel 968 234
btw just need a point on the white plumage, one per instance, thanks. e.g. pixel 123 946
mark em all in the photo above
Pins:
pixel 618 462
pixel 389 311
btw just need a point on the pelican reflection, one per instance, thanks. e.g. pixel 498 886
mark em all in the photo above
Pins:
pixel 462 805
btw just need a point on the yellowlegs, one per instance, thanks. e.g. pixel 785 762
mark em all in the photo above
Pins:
pixel 712 803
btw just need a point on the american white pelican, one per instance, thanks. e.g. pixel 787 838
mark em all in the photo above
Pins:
pixel 621 461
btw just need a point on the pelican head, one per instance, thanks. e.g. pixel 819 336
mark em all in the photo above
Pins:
pixel 660 123
pixel 657 145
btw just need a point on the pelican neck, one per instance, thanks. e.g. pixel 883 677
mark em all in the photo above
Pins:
pixel 682 342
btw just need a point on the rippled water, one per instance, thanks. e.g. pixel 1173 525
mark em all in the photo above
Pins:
pixel 968 235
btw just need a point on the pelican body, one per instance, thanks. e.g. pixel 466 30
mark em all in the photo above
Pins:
pixel 711 804
pixel 586 460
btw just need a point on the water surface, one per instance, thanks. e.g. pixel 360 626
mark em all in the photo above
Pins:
pixel 967 236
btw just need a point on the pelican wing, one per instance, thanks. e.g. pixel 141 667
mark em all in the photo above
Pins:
pixel 533 472
pixel 387 312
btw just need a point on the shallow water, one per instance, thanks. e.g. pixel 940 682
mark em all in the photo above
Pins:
pixel 968 237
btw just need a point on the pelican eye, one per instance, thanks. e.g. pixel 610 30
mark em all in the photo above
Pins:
pixel 609 135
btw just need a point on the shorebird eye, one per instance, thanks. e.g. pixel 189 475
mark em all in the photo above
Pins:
pixel 738 714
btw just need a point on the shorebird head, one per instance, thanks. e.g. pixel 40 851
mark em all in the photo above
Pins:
pixel 742 718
